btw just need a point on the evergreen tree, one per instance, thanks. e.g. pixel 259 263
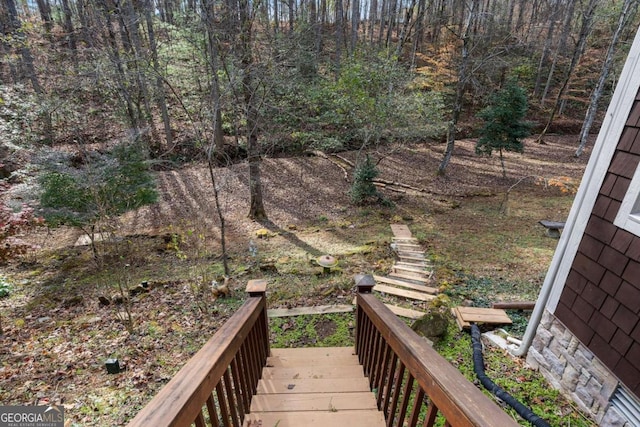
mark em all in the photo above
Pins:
pixel 504 124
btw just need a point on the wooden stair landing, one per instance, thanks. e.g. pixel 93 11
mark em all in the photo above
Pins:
pixel 322 386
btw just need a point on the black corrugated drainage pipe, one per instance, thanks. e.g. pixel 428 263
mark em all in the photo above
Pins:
pixel 478 367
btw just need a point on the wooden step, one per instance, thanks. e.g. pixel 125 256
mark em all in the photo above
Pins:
pixel 405 257
pixel 313 385
pixel 413 263
pixel 409 246
pixel 408 240
pixel 405 312
pixel 411 277
pixel 405 284
pixel 409 252
pixel 401 230
pixel 313 352
pixel 314 402
pixel 312 356
pixel 404 268
pixel 420 296
pixel 351 418
pixel 295 362
pixel 313 372
pixel 318 309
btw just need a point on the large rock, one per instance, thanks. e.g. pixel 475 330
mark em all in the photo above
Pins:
pixel 432 325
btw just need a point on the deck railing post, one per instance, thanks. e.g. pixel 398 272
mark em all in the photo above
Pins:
pixel 364 285
pixel 258 288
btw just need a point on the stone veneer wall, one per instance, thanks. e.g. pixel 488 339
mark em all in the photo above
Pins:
pixel 572 368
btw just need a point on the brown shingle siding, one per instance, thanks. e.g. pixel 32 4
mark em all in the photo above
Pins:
pixel 594 296
pixel 625 369
pixel 584 310
pixel 580 329
pixel 609 183
pixel 629 295
pixel 620 189
pixel 602 326
pixel 601 206
pixel 624 164
pixel 591 247
pixel 628 138
pixel 622 240
pixel 612 212
pixel 603 350
pixel 632 271
pixel 625 319
pixel 588 268
pixel 634 116
pixel 636 333
pixel 610 283
pixel 609 307
pixel 621 342
pixel 634 354
pixel 613 260
pixel 634 249
pixel 635 148
pixel 601 229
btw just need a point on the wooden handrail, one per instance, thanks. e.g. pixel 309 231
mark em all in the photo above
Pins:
pixel 222 377
pixel 408 374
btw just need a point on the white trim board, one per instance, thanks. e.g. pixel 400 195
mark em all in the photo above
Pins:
pixel 603 151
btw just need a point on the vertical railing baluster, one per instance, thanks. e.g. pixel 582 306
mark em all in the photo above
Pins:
pixel 375 355
pixel 383 377
pixel 377 374
pixel 406 395
pixel 397 384
pixel 222 401
pixel 417 406
pixel 432 413
pixel 200 420
pixel 390 381
pixel 213 413
pixel 239 392
pixel 233 405
pixel 254 361
pixel 370 335
pixel 247 368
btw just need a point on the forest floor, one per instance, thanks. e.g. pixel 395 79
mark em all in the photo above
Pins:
pixel 57 334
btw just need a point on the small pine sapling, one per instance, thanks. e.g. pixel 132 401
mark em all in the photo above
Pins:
pixel 504 124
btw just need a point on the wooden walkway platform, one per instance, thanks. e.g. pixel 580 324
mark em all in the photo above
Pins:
pixel 321 386
pixel 410 275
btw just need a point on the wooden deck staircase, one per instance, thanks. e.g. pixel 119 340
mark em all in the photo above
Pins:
pixel 314 387
pixel 392 377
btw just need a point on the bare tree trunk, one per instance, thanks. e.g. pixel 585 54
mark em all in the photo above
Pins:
pixel 566 30
pixel 160 95
pixel 404 33
pixel 463 75
pixel 218 135
pixel 355 22
pixel 339 36
pixel 223 228
pixel 585 30
pixel 545 55
pixel 256 208
pixel 629 8
pixel 45 14
pixel 27 66
pixel 69 30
